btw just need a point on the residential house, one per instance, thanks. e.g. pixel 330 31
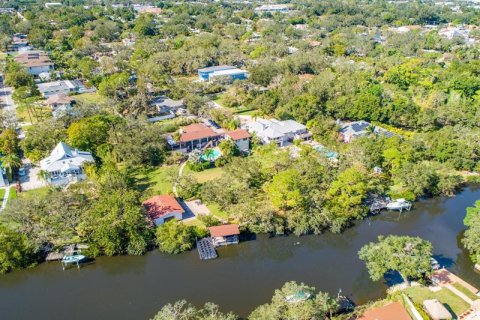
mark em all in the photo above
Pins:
pixel 53 4
pixel 241 138
pixel 36 62
pixel 64 164
pixel 352 130
pixel 19 43
pixel 60 104
pixel 163 208
pixel 165 108
pixel 197 136
pixel 279 132
pixel 390 311
pixel 283 8
pixel 64 87
pixel 229 72
pixel 224 235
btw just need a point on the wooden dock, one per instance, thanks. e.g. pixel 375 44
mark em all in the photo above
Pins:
pixel 206 249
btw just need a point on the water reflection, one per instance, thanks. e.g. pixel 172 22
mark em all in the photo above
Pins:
pixel 244 276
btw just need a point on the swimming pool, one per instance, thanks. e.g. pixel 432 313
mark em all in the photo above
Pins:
pixel 327 153
pixel 213 155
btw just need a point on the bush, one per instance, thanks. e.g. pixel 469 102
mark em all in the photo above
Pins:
pixel 209 221
pixel 220 162
pixel 175 237
pixel 199 166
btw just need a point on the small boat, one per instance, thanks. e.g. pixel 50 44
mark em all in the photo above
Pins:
pixel 399 204
pixel 298 297
pixel 434 263
pixel 72 259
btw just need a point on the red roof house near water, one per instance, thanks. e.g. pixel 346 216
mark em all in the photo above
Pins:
pixel 197 135
pixel 163 208
pixel 390 311
pixel 224 235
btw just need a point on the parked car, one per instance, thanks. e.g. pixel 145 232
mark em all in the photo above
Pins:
pixel 22 171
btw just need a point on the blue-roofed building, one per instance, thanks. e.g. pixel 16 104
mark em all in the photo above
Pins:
pixel 233 73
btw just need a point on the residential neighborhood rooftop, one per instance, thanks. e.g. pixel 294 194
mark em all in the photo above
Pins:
pixel 224 230
pixel 161 205
pixel 197 131
pixel 238 134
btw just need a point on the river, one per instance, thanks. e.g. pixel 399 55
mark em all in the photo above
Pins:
pixel 243 277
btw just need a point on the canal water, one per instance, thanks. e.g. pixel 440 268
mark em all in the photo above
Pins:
pixel 244 276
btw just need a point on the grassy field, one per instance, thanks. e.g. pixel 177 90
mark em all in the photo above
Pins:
pixel 31 193
pixel 465 291
pixel 37 113
pixel 216 211
pixel 206 175
pixel 160 180
pixel 90 98
pixel 450 300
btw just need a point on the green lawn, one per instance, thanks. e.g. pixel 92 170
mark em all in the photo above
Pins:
pixel 156 180
pixel 465 291
pixel 2 194
pixel 36 113
pixel 13 194
pixel 206 175
pixel 29 193
pixel 451 301
pixel 91 98
pixel 216 211
pixel 160 180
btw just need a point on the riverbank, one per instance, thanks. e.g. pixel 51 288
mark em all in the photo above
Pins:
pixel 130 287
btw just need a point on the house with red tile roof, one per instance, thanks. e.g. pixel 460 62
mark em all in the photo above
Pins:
pixel 241 138
pixel 163 208
pixel 198 135
pixel 224 235
pixel 390 311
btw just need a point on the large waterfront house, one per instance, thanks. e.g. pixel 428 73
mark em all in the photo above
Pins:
pixel 64 164
pixel 36 62
pixel 229 72
pixel 224 235
pixel 241 138
pixel 279 132
pixel 351 130
pixel 163 208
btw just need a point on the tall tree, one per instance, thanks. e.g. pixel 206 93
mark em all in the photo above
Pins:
pixel 409 256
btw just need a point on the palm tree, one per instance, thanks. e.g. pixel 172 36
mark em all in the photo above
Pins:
pixel 11 162
pixel 44 175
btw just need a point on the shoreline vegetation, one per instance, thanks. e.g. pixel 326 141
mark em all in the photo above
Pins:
pixel 370 99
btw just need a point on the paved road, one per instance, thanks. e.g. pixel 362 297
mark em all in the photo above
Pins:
pixel 6 101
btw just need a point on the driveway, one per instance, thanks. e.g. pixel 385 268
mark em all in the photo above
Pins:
pixel 31 180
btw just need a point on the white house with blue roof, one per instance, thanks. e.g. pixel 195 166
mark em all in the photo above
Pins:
pixel 64 164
